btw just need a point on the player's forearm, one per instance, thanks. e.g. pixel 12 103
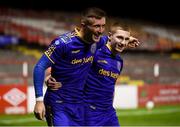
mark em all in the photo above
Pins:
pixel 38 76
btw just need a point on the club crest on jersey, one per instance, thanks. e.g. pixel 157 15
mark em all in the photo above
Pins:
pixel 118 66
pixel 57 42
pixel 93 48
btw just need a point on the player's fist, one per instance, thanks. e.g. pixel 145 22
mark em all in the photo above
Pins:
pixel 52 84
pixel 133 42
pixel 39 110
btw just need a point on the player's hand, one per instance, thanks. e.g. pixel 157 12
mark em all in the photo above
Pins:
pixel 52 84
pixel 133 42
pixel 39 110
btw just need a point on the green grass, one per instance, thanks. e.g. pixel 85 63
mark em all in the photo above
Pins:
pixel 20 120
pixel 159 116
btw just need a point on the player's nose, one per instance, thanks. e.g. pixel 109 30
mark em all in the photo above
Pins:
pixel 101 30
pixel 123 42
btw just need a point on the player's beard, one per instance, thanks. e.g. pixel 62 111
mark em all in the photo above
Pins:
pixel 92 38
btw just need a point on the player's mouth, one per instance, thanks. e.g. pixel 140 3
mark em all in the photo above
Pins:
pixel 96 38
pixel 120 47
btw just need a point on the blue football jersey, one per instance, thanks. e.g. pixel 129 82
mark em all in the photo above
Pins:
pixel 99 88
pixel 71 58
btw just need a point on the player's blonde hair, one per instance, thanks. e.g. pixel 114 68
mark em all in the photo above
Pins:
pixel 117 26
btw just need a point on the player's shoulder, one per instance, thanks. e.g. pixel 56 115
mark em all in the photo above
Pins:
pixel 66 38
pixel 104 38
pixel 119 57
pixel 63 39
pixel 102 42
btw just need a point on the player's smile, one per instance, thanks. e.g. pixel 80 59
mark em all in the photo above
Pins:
pixel 120 47
pixel 96 37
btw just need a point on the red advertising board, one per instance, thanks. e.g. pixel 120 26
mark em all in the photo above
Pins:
pixel 159 94
pixel 13 99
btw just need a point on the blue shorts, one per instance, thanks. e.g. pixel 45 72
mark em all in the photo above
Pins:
pixel 65 114
pixel 99 117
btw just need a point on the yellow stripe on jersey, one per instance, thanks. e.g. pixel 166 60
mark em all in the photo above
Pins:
pixel 79 34
pixel 109 47
pixel 49 57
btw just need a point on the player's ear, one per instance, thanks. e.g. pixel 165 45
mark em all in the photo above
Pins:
pixel 109 35
pixel 82 22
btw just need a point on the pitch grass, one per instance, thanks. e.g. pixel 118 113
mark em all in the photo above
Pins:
pixel 159 116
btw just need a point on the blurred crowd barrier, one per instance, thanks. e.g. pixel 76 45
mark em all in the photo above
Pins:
pixel 139 68
pixel 20 99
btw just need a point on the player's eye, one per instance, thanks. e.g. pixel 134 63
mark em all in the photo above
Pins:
pixel 120 37
pixel 127 38
pixel 97 26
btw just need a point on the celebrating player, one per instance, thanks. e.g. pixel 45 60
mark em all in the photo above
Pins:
pixel 106 67
pixel 70 57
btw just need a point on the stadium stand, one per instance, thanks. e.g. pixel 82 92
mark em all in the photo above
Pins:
pixel 158 45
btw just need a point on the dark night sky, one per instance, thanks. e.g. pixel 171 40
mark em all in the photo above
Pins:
pixel 165 12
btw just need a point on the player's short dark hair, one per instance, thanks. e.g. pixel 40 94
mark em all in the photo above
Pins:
pixel 92 12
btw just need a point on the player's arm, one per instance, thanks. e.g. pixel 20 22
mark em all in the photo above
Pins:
pixel 133 42
pixel 38 78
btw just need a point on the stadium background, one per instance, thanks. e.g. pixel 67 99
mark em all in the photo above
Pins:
pixel 27 27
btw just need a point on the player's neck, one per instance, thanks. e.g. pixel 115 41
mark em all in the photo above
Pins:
pixel 110 47
pixel 81 35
